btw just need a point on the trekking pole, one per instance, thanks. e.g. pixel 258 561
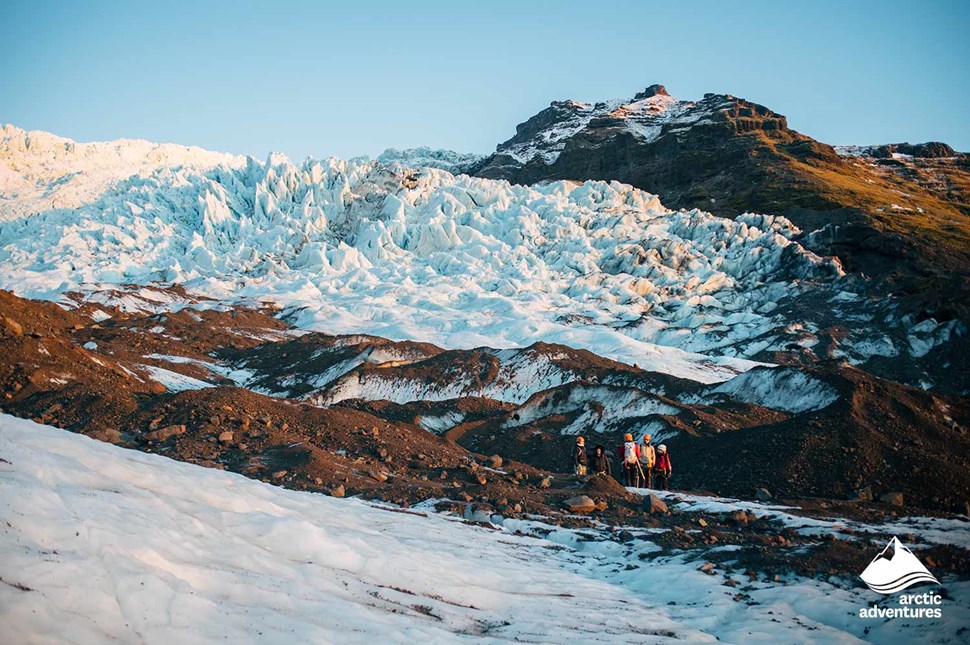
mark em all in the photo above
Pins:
pixel 643 478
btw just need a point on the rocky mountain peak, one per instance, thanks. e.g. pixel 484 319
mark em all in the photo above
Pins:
pixel 653 90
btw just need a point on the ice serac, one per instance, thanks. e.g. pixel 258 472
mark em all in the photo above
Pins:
pixel 40 171
pixel 454 162
pixel 361 247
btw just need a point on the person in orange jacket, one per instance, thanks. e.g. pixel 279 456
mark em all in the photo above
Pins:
pixel 629 454
pixel 648 459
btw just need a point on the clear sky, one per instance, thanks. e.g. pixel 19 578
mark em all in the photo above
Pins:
pixel 354 77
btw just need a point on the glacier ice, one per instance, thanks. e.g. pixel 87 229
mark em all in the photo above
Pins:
pixel 360 246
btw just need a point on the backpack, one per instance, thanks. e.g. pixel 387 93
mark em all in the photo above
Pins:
pixel 648 456
pixel 630 452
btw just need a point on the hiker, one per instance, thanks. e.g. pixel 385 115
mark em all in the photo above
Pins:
pixel 663 468
pixel 601 462
pixel 648 458
pixel 629 454
pixel 579 457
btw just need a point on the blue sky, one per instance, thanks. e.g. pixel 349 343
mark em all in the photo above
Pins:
pixel 319 79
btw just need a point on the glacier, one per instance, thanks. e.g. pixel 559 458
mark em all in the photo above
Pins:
pixel 409 254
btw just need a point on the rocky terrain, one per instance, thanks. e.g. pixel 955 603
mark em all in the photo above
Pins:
pixel 240 390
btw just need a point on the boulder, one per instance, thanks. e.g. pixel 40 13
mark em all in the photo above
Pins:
pixel 495 461
pixel 741 517
pixel 654 505
pixel 893 498
pixel 163 434
pixel 546 482
pixel 762 494
pixel 862 495
pixel 11 327
pixel 580 504
pixel 107 435
pixel 225 437
pixel 338 491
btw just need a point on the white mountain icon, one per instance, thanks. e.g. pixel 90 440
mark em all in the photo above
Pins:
pixel 895 569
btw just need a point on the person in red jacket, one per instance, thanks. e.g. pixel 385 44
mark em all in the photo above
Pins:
pixel 663 468
pixel 629 454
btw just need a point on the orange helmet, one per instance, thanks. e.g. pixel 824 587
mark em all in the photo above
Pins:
pixel 628 437
pixel 580 440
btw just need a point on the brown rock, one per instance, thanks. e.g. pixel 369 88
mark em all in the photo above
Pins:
pixel 893 498
pixel 225 437
pixel 338 491
pixel 495 461
pixel 654 505
pixel 546 482
pixel 163 434
pixel 862 495
pixel 279 474
pixel 580 504
pixel 12 328
pixel 379 476
pixel 107 435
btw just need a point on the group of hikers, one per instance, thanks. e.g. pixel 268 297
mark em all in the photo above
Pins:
pixel 641 462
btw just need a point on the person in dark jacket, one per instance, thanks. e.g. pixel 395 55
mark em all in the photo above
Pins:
pixel 580 460
pixel 601 461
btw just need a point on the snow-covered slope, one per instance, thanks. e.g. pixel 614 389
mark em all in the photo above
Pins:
pixel 543 137
pixel 102 544
pixel 782 388
pixel 40 171
pixel 119 545
pixel 354 247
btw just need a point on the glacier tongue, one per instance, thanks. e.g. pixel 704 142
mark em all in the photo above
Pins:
pixel 356 246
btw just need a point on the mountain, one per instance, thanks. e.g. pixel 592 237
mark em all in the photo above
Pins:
pixel 730 156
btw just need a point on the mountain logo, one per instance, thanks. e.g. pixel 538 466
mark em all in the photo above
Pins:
pixel 895 569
